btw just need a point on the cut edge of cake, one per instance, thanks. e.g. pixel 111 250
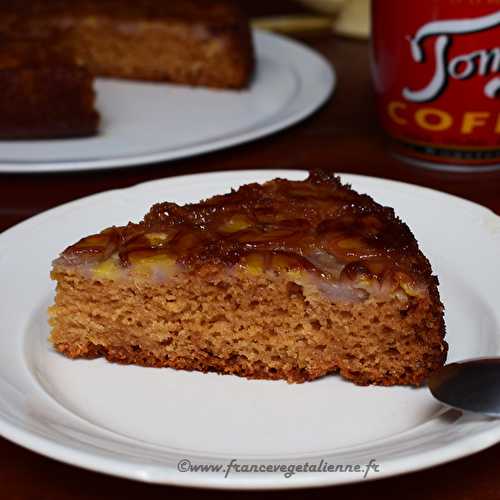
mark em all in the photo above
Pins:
pixel 194 42
pixel 47 93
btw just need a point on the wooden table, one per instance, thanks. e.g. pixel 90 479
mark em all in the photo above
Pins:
pixel 344 136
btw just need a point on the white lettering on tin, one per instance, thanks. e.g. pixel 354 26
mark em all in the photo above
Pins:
pixel 461 67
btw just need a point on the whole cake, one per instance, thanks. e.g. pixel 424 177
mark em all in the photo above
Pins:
pixel 285 280
pixel 45 92
pixel 196 42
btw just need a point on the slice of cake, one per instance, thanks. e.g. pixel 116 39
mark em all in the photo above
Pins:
pixel 45 93
pixel 196 42
pixel 285 280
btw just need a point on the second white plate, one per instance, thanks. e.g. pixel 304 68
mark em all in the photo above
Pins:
pixel 153 424
pixel 147 122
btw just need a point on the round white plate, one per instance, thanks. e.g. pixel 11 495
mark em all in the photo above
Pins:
pixel 150 122
pixel 141 423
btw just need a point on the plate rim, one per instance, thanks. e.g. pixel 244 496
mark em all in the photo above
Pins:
pixel 254 172
pixel 422 460
pixel 273 124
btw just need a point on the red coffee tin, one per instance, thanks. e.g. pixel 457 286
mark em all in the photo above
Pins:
pixel 436 68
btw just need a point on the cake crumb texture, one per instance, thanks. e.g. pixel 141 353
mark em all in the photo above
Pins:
pixel 194 42
pixel 252 326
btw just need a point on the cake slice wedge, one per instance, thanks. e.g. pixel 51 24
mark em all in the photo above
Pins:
pixel 288 280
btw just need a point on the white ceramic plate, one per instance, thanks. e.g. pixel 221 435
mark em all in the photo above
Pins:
pixel 141 422
pixel 148 122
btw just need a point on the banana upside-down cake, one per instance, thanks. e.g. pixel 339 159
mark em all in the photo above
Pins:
pixel 50 51
pixel 195 42
pixel 284 280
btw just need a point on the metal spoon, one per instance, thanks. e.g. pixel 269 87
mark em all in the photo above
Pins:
pixel 472 385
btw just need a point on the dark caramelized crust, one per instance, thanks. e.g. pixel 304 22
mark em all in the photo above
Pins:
pixel 318 224
pixel 45 93
pixel 198 42
pixel 288 279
